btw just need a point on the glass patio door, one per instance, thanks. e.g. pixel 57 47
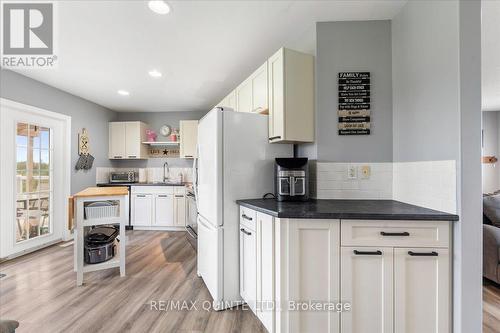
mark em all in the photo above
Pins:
pixel 35 178
pixel 33 181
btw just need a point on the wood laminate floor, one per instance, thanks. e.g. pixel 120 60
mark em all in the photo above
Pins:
pixel 40 292
pixel 491 308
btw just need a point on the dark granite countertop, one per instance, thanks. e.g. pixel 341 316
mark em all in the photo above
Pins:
pixel 346 209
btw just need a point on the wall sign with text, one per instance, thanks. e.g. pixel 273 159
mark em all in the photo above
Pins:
pixel 354 103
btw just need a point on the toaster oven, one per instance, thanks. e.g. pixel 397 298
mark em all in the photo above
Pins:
pixel 124 177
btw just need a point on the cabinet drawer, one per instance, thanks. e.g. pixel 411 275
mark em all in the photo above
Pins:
pixel 248 217
pixel 395 233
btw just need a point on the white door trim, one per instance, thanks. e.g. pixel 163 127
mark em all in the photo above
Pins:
pixel 5 105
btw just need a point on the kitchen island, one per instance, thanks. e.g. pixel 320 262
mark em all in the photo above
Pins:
pixel 346 265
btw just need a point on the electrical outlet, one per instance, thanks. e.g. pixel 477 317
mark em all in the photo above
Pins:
pixel 352 172
pixel 366 172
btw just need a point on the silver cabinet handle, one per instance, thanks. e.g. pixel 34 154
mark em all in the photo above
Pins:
pixel 117 156
pixel 163 196
pixel 140 195
pixel 246 217
pixel 179 196
pixel 132 156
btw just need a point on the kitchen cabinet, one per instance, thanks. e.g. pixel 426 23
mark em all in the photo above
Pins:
pixel 291 96
pixel 367 283
pixel 164 210
pixel 248 264
pixel 252 94
pixel 180 210
pixel 422 290
pixel 401 276
pixel 158 207
pixel 189 136
pixel 142 209
pixel 265 270
pixel 126 140
pixel 388 275
pixel 229 101
pixel 244 96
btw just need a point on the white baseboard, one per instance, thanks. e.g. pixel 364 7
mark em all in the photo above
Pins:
pixel 156 228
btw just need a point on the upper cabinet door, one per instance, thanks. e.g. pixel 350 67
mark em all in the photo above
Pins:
pixel 367 284
pixel 231 100
pixel 260 89
pixel 291 97
pixel 133 139
pixel 117 145
pixel 422 290
pixel 189 137
pixel 276 95
pixel 244 96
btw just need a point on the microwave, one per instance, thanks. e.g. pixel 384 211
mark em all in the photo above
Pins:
pixel 124 177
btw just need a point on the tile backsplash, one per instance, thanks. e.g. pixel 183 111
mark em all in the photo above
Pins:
pixel 430 184
pixel 152 175
pixel 330 180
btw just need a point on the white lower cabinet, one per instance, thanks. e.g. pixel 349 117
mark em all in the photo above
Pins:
pixel 179 204
pixel 265 271
pixel 164 210
pixel 248 265
pixel 288 264
pixel 158 207
pixel 422 284
pixel 142 209
pixel 367 284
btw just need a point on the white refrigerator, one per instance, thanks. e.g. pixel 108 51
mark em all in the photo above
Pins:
pixel 235 161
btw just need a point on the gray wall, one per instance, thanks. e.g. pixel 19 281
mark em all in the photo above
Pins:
pixel 83 113
pixel 426 80
pixel 352 46
pixel 156 120
pixel 437 116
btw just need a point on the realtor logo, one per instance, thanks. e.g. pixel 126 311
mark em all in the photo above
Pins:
pixel 28 34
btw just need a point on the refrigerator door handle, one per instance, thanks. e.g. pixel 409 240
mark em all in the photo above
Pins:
pixel 195 175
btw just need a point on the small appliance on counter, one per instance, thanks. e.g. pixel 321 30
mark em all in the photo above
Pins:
pixel 100 244
pixel 291 179
pixel 124 177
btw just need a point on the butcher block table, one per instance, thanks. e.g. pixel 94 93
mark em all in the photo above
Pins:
pixel 83 221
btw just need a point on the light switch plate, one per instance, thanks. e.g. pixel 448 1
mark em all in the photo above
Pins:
pixel 352 172
pixel 366 172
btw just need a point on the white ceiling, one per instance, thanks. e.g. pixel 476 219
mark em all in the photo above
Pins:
pixel 203 48
pixel 491 55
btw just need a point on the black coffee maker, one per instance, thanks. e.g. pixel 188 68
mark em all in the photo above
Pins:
pixel 291 179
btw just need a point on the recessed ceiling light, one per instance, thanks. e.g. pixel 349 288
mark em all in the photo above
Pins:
pixel 123 92
pixel 159 7
pixel 154 73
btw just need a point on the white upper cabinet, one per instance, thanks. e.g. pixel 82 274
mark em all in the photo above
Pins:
pixel 117 144
pixel 189 136
pixel 291 97
pixel 282 87
pixel 229 101
pixel 126 140
pixel 244 96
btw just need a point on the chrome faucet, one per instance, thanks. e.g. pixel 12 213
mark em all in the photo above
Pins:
pixel 166 175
